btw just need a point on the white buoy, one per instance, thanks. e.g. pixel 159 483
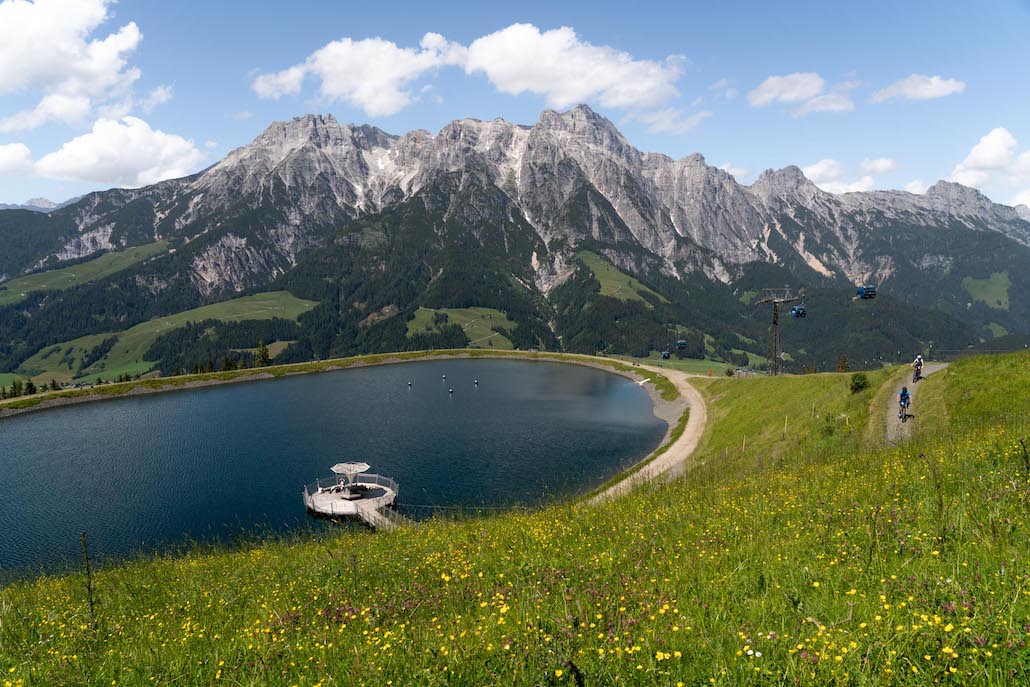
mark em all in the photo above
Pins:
pixel 476 382
pixel 450 391
pixel 409 383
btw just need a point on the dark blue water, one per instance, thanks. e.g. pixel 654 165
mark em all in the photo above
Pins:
pixel 142 474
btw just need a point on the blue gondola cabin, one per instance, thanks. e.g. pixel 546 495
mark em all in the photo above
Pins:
pixel 798 311
pixel 866 292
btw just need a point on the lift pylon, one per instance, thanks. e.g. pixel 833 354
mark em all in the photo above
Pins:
pixel 777 297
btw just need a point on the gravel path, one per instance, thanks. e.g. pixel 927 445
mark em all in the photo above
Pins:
pixel 678 453
pixel 896 429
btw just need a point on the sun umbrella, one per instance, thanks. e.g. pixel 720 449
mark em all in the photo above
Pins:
pixel 350 470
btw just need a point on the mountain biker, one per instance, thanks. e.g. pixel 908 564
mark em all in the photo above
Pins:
pixel 904 401
pixel 918 364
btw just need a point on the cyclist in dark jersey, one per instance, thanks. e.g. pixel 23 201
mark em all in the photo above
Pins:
pixel 904 401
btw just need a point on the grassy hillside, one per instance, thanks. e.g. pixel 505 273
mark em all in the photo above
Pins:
pixel 689 365
pixel 125 350
pixel 813 561
pixel 57 280
pixel 614 282
pixel 476 323
pixel 993 291
pixel 767 417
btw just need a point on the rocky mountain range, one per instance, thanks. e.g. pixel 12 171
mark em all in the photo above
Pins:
pixel 533 197
pixel 38 205
pixel 690 215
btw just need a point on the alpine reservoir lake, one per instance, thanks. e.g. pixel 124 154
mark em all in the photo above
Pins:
pixel 148 473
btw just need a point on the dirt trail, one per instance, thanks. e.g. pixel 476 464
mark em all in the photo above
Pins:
pixel 896 429
pixel 678 453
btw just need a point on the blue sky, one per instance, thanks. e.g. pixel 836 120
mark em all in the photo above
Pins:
pixel 864 95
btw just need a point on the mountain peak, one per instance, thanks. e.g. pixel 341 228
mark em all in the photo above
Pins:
pixel 782 181
pixel 1024 212
pixel 955 192
pixel 306 122
pixel 39 205
pixel 318 131
pixel 315 128
pixel 44 203
pixel 574 118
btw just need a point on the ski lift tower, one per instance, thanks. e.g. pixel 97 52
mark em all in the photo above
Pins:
pixel 777 297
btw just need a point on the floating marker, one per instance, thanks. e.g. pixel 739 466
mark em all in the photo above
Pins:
pixel 476 382
pixel 409 383
pixel 450 391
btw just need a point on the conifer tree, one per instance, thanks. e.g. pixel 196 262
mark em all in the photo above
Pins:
pixel 262 359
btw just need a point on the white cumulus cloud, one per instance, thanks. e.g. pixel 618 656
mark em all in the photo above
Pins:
pixel 877 165
pixel 15 158
pixel 723 90
pixel 565 69
pixel 671 121
pixel 157 97
pixel 828 174
pixel 806 88
pixel 919 87
pixel 67 109
pixel 126 152
pixel 379 76
pixel 825 170
pixel 277 84
pixel 863 183
pixel 790 88
pixel 373 74
pixel 994 159
pixel 916 186
pixel 1021 198
pixel 49 46
pixel 733 170
pixel 836 101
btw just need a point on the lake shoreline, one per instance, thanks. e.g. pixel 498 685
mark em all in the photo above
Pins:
pixel 657 406
pixel 666 407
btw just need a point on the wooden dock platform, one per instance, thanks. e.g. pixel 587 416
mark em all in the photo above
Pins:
pixel 366 498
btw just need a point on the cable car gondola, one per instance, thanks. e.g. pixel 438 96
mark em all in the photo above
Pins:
pixel 866 292
pixel 798 311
